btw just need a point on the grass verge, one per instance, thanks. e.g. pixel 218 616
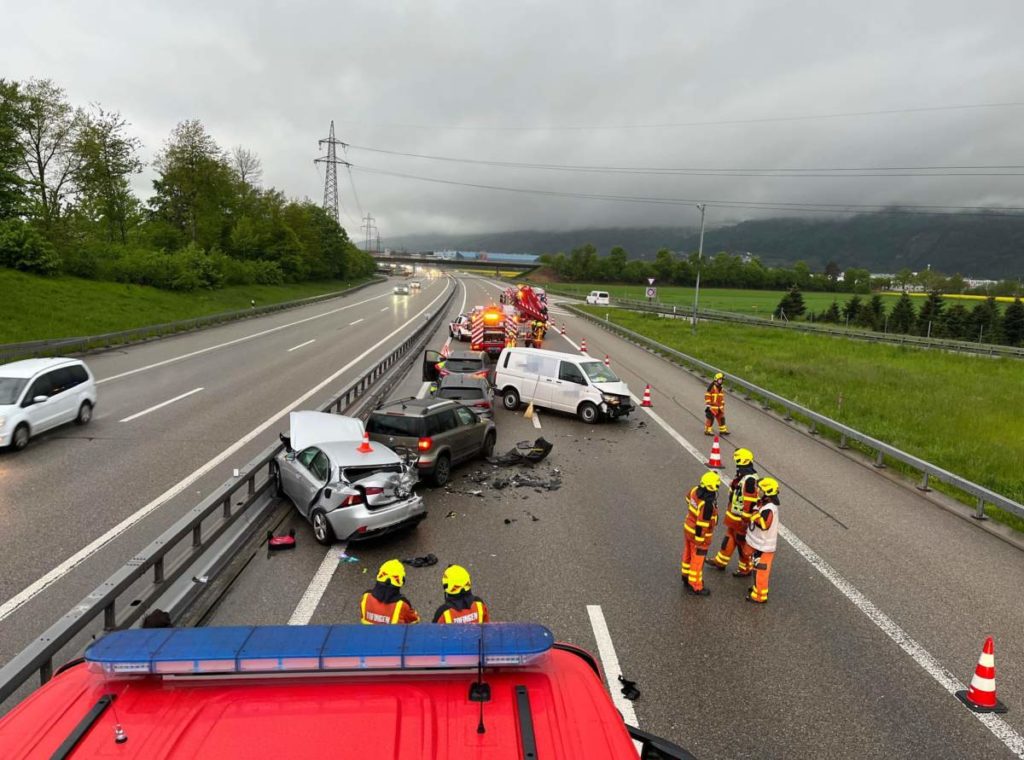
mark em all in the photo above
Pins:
pixel 962 413
pixel 39 308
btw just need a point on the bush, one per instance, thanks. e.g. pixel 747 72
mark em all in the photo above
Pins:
pixel 255 272
pixel 24 249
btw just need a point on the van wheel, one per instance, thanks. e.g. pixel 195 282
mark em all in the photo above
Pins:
pixel 84 414
pixel 20 438
pixel 510 399
pixel 442 470
pixel 588 413
pixel 322 530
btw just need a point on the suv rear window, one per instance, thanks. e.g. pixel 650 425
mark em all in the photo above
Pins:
pixel 383 423
pixel 463 365
pixel 461 393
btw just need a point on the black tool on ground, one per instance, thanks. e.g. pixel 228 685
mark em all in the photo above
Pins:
pixel 525 452
pixel 425 561
pixel 629 690
pixel 277 543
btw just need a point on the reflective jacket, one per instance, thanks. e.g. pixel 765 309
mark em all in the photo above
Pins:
pixel 385 605
pixel 742 497
pixel 763 533
pixel 462 608
pixel 714 397
pixel 701 515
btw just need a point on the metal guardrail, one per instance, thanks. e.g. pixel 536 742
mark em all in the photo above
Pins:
pixel 190 537
pixel 82 344
pixel 717 315
pixel 846 433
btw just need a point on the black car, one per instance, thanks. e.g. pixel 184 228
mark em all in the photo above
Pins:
pixel 471 390
pixel 436 366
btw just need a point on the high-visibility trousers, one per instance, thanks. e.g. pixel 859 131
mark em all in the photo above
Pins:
pixel 735 538
pixel 692 565
pixel 713 415
pixel 762 572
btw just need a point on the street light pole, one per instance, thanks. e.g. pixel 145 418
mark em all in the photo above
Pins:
pixel 700 256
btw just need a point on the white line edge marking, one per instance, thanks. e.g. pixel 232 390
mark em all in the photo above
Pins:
pixel 235 341
pixel 610 663
pixel 161 405
pixel 536 419
pixel 65 567
pixel 356 322
pixel 422 392
pixel 999 727
pixel 386 308
pixel 317 587
pixel 301 345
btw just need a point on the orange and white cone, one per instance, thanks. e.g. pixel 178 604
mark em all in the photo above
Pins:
pixel 646 400
pixel 981 696
pixel 715 460
pixel 583 345
pixel 607 361
pixel 365 447
pixel 562 332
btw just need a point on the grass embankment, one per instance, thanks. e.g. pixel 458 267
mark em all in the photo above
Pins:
pixel 962 413
pixel 38 308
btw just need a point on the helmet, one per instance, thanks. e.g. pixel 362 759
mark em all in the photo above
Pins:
pixel 719 377
pixel 743 456
pixel 392 571
pixel 768 486
pixel 456 579
pixel 710 481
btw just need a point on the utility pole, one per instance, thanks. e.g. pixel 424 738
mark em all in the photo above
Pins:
pixel 370 229
pixel 379 249
pixel 331 179
pixel 700 257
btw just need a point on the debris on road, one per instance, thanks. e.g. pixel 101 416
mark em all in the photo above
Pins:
pixel 425 561
pixel 344 557
pixel 450 515
pixel 525 452
pixel 552 483
pixel 629 690
pixel 509 520
pixel 533 517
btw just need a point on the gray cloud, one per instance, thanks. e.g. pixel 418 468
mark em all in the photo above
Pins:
pixel 271 76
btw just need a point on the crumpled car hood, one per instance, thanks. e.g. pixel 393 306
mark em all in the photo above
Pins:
pixel 314 428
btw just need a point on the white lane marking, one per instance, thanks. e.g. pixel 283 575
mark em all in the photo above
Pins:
pixel 610 662
pixel 301 345
pixel 161 405
pixel 536 419
pixel 244 338
pixel 65 567
pixel 356 322
pixel 423 389
pixel 317 587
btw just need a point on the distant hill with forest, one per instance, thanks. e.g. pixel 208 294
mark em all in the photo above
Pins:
pixel 975 246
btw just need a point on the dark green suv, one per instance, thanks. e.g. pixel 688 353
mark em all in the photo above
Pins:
pixel 443 432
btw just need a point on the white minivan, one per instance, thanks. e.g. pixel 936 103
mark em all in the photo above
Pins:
pixel 565 382
pixel 39 394
pixel 598 298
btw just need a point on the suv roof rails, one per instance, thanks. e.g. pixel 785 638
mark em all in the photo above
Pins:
pixel 393 401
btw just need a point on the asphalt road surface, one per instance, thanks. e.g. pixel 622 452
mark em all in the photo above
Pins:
pixel 880 600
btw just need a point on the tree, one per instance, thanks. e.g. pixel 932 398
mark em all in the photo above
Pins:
pixel 929 319
pixel 1013 323
pixel 956 322
pixel 106 159
pixel 49 126
pixel 247 166
pixel 832 271
pixel 851 309
pixel 872 314
pixel 831 314
pixel 615 264
pixel 903 278
pixel 12 186
pixel 986 322
pixel 663 266
pixel 901 320
pixel 857 280
pixel 792 304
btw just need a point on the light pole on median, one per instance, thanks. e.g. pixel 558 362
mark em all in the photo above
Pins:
pixel 700 256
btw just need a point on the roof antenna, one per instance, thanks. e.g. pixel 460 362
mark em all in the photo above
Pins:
pixel 479 691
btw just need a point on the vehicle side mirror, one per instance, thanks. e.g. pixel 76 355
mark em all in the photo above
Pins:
pixel 39 399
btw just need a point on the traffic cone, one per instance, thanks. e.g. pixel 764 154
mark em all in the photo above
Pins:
pixel 607 361
pixel 583 345
pixel 981 696
pixel 646 400
pixel 366 448
pixel 563 329
pixel 715 460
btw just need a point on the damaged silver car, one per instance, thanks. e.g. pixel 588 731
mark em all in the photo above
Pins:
pixel 346 492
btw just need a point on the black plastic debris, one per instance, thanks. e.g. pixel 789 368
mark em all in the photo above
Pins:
pixel 533 517
pixel 509 520
pixel 525 452
pixel 425 561
pixel 450 515
pixel 157 619
pixel 629 690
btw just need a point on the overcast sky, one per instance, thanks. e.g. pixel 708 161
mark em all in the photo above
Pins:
pixel 451 77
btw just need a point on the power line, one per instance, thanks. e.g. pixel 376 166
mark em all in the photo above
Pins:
pixel 683 124
pixel 331 180
pixel 830 172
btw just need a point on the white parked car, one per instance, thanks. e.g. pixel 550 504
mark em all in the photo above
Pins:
pixel 565 382
pixel 40 394
pixel 598 298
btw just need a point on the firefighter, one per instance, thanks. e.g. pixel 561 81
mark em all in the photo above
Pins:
pixel 384 603
pixel 742 500
pixel 701 516
pixel 714 409
pixel 539 331
pixel 762 537
pixel 460 605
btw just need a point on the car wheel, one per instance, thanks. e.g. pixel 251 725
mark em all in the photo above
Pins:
pixel 488 448
pixel 442 470
pixel 510 398
pixel 84 414
pixel 275 479
pixel 20 438
pixel 588 413
pixel 322 530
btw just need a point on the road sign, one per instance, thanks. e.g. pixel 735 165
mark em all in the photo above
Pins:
pixel 652 292
pixel 650 280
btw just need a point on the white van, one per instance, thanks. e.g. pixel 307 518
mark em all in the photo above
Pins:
pixel 599 298
pixel 566 382
pixel 39 394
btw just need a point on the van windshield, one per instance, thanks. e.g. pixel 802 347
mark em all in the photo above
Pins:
pixel 10 389
pixel 598 373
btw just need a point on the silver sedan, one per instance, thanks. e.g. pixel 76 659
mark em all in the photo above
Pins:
pixel 345 493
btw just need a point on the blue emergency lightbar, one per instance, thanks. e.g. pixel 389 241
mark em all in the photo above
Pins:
pixel 316 648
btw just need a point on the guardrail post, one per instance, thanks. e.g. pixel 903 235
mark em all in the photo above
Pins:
pixel 923 486
pixel 109 617
pixel 980 514
pixel 227 507
pixel 842 441
pixel 252 485
pixel 46 671
pixel 814 428
pixel 880 461
pixel 197 536
pixel 158 571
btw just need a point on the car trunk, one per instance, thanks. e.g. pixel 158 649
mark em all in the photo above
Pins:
pixel 381 485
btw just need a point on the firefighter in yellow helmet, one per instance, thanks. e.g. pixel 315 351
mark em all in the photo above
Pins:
pixel 460 605
pixel 701 516
pixel 763 536
pixel 714 406
pixel 384 603
pixel 742 500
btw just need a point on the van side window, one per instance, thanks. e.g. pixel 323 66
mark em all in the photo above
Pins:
pixel 508 356
pixel 43 386
pixel 61 379
pixel 78 374
pixel 570 373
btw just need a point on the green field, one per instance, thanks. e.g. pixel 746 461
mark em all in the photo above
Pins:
pixel 962 413
pixel 37 308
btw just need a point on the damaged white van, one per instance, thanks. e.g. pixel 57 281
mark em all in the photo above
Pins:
pixel 564 382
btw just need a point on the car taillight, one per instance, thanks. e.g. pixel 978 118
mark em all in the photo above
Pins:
pixel 373 491
pixel 483 404
pixel 425 444
pixel 348 501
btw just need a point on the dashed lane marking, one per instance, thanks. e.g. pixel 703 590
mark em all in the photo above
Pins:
pixel 610 661
pixel 161 405
pixel 301 345
pixel 356 322
pixel 317 587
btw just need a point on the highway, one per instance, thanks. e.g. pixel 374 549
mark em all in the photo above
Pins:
pixel 880 599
